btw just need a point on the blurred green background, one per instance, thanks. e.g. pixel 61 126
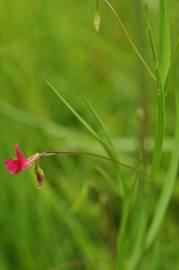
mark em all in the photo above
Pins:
pixel 72 222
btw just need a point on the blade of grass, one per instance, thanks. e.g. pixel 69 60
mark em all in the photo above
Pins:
pixel 126 230
pixel 123 188
pixel 140 242
pixel 164 66
pixel 74 112
pixel 167 190
pixel 173 63
pixel 122 234
pixel 100 123
pixel 107 144
pixel 152 42
pixel 159 135
pixel 160 130
pixel 165 46
pixel 166 194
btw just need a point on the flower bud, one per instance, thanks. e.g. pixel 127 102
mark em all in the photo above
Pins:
pixel 39 175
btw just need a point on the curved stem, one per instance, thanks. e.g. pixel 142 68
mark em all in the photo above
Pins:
pixel 54 153
pixel 130 40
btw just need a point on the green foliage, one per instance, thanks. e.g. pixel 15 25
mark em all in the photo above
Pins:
pixel 90 213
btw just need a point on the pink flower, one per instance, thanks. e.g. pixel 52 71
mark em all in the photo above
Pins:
pixel 15 166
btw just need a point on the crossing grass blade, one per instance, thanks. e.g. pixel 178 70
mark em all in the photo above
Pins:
pixel 122 184
pixel 107 143
pixel 74 112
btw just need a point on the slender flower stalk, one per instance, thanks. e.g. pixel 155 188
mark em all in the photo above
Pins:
pixel 54 153
pixel 15 166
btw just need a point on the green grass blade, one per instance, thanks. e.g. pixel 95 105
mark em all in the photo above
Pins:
pixel 161 79
pixel 139 245
pixel 100 123
pixel 168 185
pixel 165 46
pixel 159 137
pixel 173 63
pixel 152 42
pixel 123 188
pixel 74 112
pixel 107 144
pixel 165 65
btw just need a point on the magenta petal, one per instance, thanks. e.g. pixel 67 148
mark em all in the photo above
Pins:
pixel 15 166
pixel 26 165
pixel 12 166
pixel 20 156
pixel 23 162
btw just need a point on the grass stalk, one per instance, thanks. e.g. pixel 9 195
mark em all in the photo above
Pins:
pixel 107 144
pixel 161 72
pixel 167 190
pixel 108 148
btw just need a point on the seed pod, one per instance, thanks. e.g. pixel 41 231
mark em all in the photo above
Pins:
pixel 97 21
pixel 39 175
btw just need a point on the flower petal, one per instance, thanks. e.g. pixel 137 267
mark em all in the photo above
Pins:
pixel 20 156
pixel 26 164
pixel 15 166
pixel 12 166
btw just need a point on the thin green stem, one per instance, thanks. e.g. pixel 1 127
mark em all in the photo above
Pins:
pixel 165 45
pixel 53 153
pixel 130 40
pixel 159 134
pixel 152 42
